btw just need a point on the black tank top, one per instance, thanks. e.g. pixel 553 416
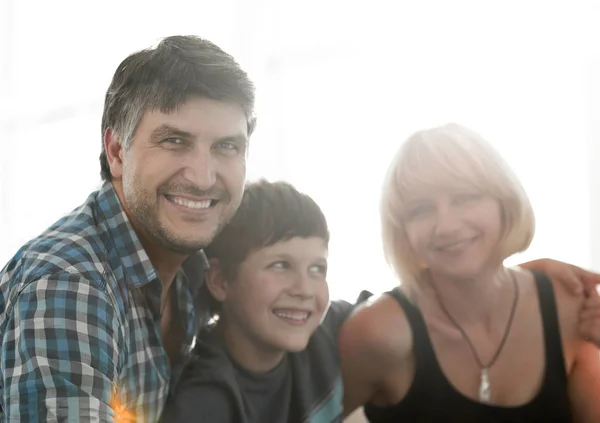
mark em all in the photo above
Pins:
pixel 432 399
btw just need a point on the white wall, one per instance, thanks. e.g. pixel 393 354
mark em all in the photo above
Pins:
pixel 57 63
pixel 593 160
pixel 341 84
pixel 513 71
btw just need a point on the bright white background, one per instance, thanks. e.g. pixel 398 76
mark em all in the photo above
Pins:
pixel 341 84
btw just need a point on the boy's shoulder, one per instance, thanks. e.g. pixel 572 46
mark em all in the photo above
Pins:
pixel 207 385
pixel 208 359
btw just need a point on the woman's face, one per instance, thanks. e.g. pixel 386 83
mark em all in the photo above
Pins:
pixel 454 233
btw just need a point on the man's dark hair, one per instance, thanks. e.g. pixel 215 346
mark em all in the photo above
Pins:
pixel 166 76
pixel 270 212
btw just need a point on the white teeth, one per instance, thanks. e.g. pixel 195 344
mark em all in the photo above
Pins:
pixel 192 204
pixel 296 315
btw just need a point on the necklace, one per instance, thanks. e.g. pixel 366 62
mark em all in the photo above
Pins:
pixel 485 387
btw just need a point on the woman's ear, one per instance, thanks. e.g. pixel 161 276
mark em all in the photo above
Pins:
pixel 215 281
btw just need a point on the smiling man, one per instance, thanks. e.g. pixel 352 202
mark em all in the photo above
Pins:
pixel 98 313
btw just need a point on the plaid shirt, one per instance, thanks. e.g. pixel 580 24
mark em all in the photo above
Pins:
pixel 80 321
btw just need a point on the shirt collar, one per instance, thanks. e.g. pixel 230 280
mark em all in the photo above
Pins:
pixel 125 242
pixel 129 249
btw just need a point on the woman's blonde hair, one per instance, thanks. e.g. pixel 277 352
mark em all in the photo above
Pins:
pixel 450 156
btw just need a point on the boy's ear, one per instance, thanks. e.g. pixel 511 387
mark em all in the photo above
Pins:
pixel 215 281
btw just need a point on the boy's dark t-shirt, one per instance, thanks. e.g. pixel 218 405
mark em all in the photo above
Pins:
pixel 305 387
pixel 268 394
pixel 267 398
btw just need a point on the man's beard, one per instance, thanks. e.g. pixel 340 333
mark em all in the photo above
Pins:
pixel 145 217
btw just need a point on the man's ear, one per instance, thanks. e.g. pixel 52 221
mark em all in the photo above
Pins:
pixel 114 152
pixel 215 280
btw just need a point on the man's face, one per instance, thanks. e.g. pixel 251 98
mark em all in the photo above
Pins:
pixel 182 177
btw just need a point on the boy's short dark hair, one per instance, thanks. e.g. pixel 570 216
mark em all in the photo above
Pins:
pixel 270 212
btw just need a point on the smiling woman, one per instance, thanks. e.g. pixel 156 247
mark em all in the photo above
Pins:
pixel 465 338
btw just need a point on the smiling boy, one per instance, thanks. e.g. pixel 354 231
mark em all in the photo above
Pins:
pixel 268 357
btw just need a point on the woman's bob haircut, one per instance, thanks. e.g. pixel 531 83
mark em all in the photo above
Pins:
pixel 450 157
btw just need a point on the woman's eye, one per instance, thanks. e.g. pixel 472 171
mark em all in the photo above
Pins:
pixel 466 198
pixel 420 210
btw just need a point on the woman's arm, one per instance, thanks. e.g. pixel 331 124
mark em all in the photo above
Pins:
pixel 579 317
pixel 584 380
pixel 575 279
pixel 584 384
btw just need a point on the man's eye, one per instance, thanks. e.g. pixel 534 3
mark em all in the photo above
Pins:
pixel 173 141
pixel 227 146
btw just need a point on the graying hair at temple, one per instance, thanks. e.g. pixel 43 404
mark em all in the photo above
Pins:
pixel 166 76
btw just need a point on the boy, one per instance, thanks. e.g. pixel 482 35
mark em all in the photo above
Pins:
pixel 267 358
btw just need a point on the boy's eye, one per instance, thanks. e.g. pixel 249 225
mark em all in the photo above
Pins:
pixel 318 268
pixel 280 265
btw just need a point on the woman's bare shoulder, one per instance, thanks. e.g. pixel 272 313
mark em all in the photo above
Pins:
pixel 568 307
pixel 379 329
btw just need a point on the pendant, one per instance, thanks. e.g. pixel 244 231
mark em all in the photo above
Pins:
pixel 485 390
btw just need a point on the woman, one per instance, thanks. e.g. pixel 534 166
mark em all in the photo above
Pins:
pixel 465 338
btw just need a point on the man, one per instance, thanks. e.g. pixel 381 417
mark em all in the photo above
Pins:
pixel 98 312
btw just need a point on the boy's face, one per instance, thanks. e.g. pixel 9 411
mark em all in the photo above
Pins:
pixel 279 296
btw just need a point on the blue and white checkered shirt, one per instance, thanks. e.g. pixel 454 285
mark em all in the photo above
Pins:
pixel 80 321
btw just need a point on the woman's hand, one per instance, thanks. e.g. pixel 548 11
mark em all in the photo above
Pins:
pixel 589 318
